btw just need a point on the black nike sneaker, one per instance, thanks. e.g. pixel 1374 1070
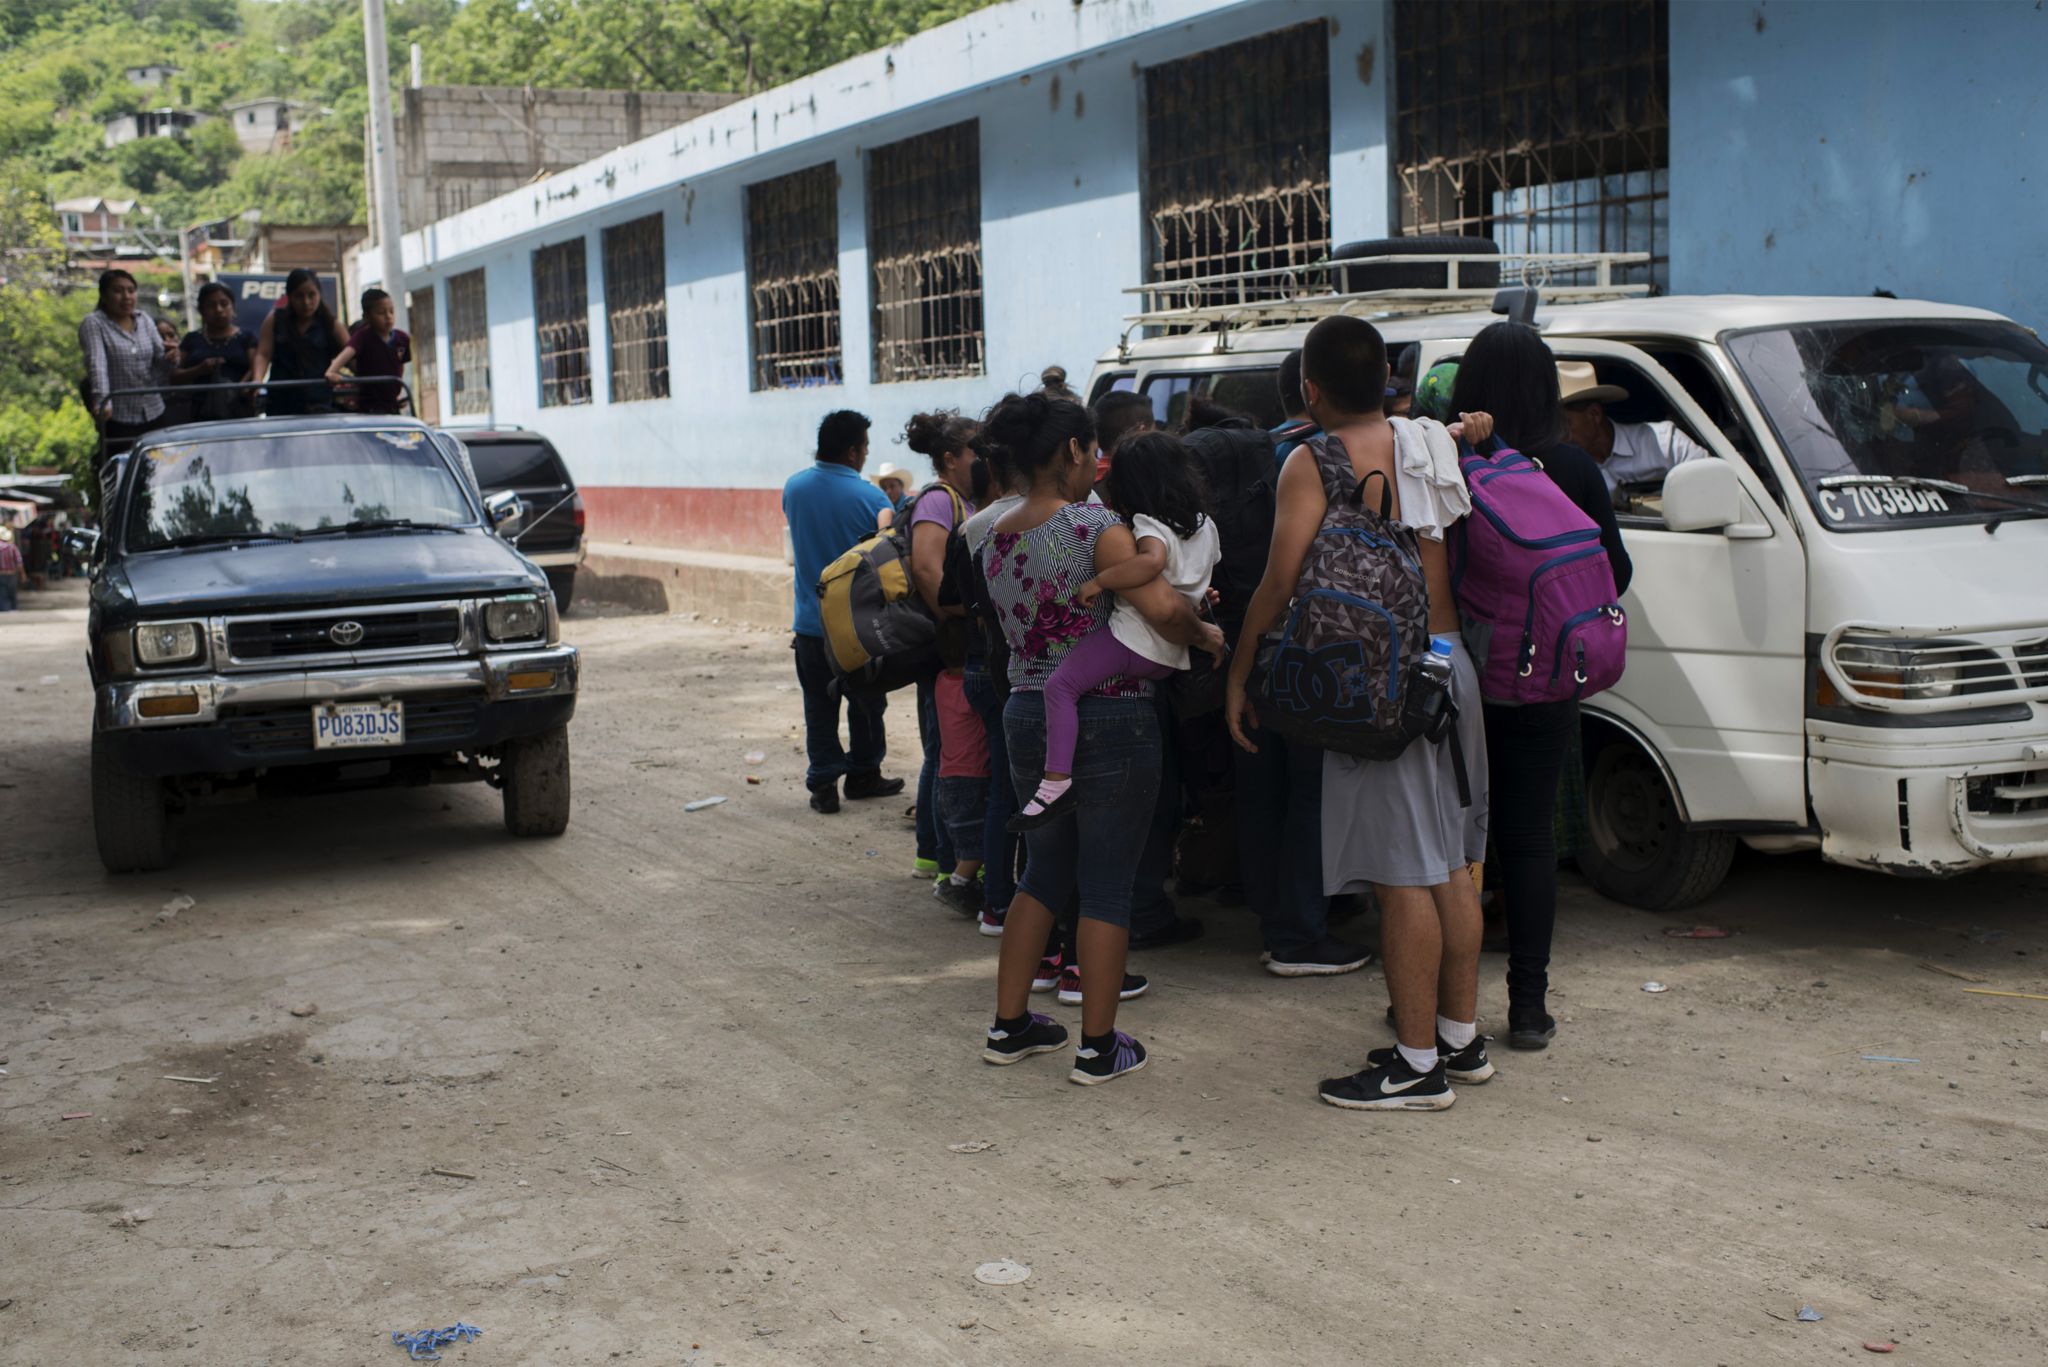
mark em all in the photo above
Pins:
pixel 1469 1064
pixel 1391 1087
pixel 1043 1035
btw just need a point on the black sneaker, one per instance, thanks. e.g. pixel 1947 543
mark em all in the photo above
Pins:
pixel 1095 1066
pixel 1178 931
pixel 859 786
pixel 1391 1087
pixel 1469 1064
pixel 1530 1029
pixel 825 799
pixel 1325 958
pixel 964 898
pixel 1043 1036
pixel 1135 985
pixel 1051 811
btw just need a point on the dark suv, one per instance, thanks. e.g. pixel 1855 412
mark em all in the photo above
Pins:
pixel 527 464
pixel 311 603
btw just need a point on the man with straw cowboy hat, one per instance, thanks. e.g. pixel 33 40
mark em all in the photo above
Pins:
pixel 1628 452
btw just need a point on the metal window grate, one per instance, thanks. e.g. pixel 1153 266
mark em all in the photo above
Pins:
pixel 561 322
pixel 469 344
pixel 793 278
pixel 1544 125
pixel 1237 153
pixel 426 365
pixel 636 309
pixel 924 235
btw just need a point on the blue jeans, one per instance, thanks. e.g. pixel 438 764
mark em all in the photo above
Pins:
pixel 934 841
pixel 869 743
pixel 7 592
pixel 1280 841
pixel 1116 781
pixel 1151 909
pixel 998 846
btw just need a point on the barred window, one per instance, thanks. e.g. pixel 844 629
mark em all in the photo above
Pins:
pixel 793 278
pixel 1237 151
pixel 924 237
pixel 636 309
pixel 469 344
pixel 561 321
pixel 1543 125
pixel 426 399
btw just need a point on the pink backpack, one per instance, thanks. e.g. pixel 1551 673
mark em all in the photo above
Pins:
pixel 1542 617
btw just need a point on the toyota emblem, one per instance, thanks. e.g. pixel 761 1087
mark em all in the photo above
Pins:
pixel 346 634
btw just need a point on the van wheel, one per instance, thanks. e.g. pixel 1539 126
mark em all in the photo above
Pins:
pixel 1639 852
pixel 535 770
pixel 131 820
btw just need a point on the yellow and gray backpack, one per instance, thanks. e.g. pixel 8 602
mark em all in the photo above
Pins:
pixel 879 635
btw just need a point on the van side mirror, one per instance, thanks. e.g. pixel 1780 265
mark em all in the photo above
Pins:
pixel 502 509
pixel 1702 496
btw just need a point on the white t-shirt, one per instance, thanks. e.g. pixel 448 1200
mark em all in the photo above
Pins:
pixel 1430 485
pixel 1647 450
pixel 1189 563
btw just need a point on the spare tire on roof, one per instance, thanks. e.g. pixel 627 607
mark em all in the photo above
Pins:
pixel 1430 275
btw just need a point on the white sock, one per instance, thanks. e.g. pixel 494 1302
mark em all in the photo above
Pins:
pixel 1457 1034
pixel 1049 790
pixel 957 881
pixel 1421 1060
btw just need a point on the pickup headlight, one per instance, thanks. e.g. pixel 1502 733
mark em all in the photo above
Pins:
pixel 168 643
pixel 515 619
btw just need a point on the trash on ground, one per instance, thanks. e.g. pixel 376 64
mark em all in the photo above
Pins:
pixel 1871 1347
pixel 1887 1058
pixel 177 904
pixel 48 679
pixel 420 1346
pixel 1697 933
pixel 450 1172
pixel 701 803
pixel 973 1146
pixel 1952 972
pixel 1991 992
pixel 309 1009
pixel 1809 1315
pixel 755 757
pixel 1655 987
pixel 754 779
pixel 202 1081
pixel 77 1115
pixel 129 1219
pixel 1002 1273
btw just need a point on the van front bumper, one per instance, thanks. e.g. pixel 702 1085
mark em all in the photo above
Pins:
pixel 1924 802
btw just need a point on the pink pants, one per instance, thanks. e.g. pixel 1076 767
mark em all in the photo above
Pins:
pixel 1095 660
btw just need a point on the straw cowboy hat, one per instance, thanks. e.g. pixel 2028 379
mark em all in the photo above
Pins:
pixel 891 470
pixel 1577 383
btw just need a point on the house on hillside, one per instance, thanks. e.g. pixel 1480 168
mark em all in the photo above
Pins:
pixel 92 224
pixel 167 122
pixel 267 123
pixel 151 75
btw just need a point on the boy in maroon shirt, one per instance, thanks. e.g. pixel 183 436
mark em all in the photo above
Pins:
pixel 375 348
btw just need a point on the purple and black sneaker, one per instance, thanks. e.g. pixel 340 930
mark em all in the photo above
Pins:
pixel 1042 1035
pixel 1093 1066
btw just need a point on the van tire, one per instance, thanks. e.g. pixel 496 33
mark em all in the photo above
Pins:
pixel 131 818
pixel 1386 275
pixel 1638 851
pixel 535 773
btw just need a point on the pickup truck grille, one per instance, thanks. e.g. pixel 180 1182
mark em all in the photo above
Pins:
pixel 281 638
pixel 268 732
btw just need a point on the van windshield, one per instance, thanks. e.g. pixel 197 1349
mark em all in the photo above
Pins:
pixel 1907 423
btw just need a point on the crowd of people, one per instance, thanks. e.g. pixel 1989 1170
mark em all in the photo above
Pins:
pixel 1102 589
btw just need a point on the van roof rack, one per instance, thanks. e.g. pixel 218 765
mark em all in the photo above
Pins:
pixel 1282 296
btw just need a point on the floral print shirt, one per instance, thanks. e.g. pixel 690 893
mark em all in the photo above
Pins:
pixel 1032 579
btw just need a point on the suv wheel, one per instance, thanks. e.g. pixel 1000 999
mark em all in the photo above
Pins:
pixel 1639 852
pixel 563 582
pixel 535 772
pixel 131 820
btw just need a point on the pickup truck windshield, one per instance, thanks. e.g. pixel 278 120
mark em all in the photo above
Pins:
pixel 1907 423
pixel 259 486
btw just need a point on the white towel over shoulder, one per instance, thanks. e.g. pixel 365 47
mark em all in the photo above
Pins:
pixel 1433 494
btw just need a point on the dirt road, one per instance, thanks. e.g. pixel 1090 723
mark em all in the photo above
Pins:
pixel 703 1072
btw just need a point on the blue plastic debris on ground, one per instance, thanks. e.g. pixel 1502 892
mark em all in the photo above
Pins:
pixel 1809 1315
pixel 420 1346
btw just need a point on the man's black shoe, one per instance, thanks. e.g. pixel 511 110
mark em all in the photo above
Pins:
pixel 825 799
pixel 1178 931
pixel 1530 1029
pixel 1325 958
pixel 860 786
pixel 1392 1086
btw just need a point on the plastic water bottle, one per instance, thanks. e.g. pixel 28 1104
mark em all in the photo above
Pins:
pixel 1433 677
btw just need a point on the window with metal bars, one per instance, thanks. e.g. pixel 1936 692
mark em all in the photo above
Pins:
pixel 426 366
pixel 469 344
pixel 561 322
pixel 1237 163
pixel 636 309
pixel 793 278
pixel 924 238
pixel 1544 125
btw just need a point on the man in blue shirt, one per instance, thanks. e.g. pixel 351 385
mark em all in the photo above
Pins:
pixel 830 508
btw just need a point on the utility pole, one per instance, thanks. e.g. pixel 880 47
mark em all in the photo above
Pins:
pixel 383 156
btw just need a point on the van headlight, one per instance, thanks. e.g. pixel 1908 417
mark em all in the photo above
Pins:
pixel 1902 672
pixel 515 619
pixel 168 643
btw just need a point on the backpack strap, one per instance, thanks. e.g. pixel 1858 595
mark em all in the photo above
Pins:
pixel 1333 463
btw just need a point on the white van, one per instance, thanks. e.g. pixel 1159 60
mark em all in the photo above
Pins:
pixel 1838 628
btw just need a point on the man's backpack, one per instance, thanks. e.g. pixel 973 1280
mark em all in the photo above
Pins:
pixel 879 635
pixel 1353 644
pixel 1235 461
pixel 1541 615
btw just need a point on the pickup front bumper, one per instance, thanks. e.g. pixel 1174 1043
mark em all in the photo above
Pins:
pixel 264 720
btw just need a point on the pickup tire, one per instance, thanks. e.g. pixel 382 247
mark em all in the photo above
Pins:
pixel 535 773
pixel 563 582
pixel 131 820
pixel 1638 852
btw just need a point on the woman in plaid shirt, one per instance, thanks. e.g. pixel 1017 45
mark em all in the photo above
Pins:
pixel 123 350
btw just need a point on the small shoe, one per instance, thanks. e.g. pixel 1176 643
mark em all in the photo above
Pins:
pixel 1051 811
pixel 1135 985
pixel 1325 958
pixel 1530 1030
pixel 1095 1066
pixel 1391 1087
pixel 1469 1064
pixel 860 786
pixel 924 868
pixel 1048 975
pixel 964 898
pixel 992 920
pixel 825 799
pixel 1043 1036
pixel 1178 931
